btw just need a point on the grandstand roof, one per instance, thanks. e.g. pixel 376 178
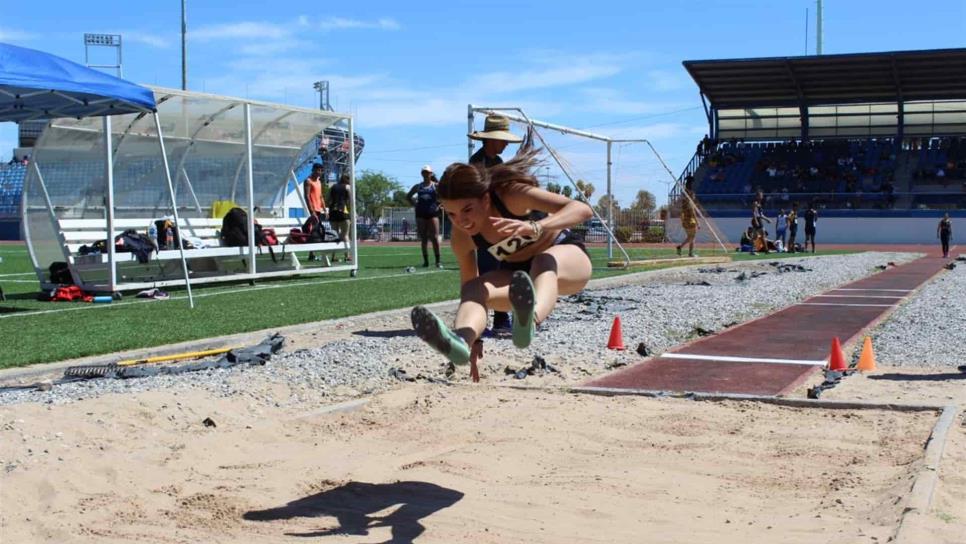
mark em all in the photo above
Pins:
pixel 936 74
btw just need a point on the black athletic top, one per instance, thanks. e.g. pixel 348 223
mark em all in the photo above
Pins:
pixel 427 202
pixel 945 227
pixel 810 217
pixel 480 157
pixel 478 238
pixel 339 200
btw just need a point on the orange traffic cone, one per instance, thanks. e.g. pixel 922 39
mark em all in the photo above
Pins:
pixel 616 340
pixel 836 359
pixel 867 359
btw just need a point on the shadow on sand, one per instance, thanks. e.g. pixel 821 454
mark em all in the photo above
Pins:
pixel 354 504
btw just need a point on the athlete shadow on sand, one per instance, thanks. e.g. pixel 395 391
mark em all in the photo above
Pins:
pixel 354 503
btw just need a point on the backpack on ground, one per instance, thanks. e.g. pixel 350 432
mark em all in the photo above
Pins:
pixel 312 232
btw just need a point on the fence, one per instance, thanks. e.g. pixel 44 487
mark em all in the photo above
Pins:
pixel 630 226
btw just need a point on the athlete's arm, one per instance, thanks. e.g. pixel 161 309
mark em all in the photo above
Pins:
pixel 519 199
pixel 465 251
pixel 409 195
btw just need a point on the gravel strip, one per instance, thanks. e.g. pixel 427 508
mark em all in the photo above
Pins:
pixel 664 310
pixel 930 329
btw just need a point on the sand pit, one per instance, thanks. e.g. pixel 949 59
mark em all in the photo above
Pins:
pixel 454 464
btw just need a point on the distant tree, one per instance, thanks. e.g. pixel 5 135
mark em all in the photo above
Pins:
pixel 553 187
pixel 374 191
pixel 567 191
pixel 399 199
pixel 604 202
pixel 644 202
pixel 586 188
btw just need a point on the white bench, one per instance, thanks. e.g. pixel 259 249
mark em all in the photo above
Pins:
pixel 76 233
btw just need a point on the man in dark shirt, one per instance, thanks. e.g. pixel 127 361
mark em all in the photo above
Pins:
pixel 340 211
pixel 496 136
pixel 811 219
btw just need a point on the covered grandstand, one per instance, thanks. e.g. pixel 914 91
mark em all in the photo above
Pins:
pixel 864 136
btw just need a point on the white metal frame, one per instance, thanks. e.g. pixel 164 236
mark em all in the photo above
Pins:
pixel 252 273
pixel 520 117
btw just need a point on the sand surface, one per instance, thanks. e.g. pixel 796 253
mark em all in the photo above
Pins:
pixel 454 464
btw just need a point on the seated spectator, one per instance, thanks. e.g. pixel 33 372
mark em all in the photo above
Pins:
pixel 746 241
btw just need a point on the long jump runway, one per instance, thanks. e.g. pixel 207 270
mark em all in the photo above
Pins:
pixel 773 354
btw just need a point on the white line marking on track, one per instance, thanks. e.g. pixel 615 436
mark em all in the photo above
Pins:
pixel 884 290
pixel 843 304
pixel 730 359
pixel 862 296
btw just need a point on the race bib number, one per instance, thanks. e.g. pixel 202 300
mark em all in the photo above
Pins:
pixel 508 246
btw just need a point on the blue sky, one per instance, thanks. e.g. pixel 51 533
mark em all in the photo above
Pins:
pixel 407 70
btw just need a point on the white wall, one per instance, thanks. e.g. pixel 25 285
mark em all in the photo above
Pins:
pixel 858 230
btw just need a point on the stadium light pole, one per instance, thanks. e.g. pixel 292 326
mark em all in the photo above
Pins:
pixel 819 38
pixel 184 45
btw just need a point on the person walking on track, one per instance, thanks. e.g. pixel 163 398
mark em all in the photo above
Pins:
pixel 689 220
pixel 541 260
pixel 945 232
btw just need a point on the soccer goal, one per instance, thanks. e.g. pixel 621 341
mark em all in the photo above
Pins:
pixel 621 178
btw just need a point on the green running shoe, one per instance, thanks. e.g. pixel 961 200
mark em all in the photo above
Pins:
pixel 523 300
pixel 434 332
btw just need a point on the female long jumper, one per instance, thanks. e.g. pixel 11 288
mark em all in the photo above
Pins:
pixel 490 209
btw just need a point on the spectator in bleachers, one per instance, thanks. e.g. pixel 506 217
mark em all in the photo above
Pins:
pixel 945 232
pixel 888 192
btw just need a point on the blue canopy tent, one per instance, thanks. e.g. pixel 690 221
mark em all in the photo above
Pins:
pixel 38 85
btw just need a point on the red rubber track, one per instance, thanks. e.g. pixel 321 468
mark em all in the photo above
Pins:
pixel 797 334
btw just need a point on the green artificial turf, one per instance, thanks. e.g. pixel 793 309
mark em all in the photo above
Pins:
pixel 32 331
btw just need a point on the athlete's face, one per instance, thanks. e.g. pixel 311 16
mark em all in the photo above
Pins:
pixel 468 214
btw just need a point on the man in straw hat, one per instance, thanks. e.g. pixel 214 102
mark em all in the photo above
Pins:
pixel 495 136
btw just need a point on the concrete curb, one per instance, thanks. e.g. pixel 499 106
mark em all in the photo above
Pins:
pixel 779 401
pixel 924 486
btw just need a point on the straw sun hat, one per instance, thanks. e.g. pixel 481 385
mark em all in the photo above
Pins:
pixel 496 127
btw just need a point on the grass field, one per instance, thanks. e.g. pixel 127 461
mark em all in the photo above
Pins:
pixel 33 332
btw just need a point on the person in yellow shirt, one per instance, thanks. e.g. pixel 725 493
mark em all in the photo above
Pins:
pixel 689 221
